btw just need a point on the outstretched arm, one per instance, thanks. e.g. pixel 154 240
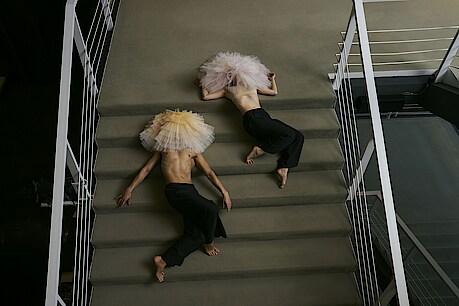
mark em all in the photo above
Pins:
pixel 125 198
pixel 212 96
pixel 270 91
pixel 202 164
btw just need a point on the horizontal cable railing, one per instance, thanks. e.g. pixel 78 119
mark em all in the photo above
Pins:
pixel 400 52
pixel 92 52
pixel 427 281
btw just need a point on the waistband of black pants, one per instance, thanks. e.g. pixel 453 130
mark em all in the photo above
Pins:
pixel 169 185
pixel 254 110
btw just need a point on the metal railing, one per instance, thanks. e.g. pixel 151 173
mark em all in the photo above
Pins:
pixel 413 51
pixel 356 163
pixel 92 50
pixel 427 281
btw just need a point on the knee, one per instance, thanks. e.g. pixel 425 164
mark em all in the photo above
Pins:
pixel 299 136
pixel 211 209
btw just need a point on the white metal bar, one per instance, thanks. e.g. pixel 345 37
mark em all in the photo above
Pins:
pixel 413 29
pixel 454 289
pixel 448 59
pixel 401 62
pixel 401 53
pixel 60 300
pixel 403 41
pixel 84 57
pixel 345 50
pixel 402 292
pixel 52 285
pixel 386 74
pixel 369 149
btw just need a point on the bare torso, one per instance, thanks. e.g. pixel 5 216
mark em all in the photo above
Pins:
pixel 177 166
pixel 245 99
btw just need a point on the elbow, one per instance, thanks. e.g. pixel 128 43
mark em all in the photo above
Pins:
pixel 210 174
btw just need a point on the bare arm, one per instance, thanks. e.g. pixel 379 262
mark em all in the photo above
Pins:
pixel 125 198
pixel 202 164
pixel 270 91
pixel 212 96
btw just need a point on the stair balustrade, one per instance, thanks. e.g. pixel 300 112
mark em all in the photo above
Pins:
pixel 92 49
pixel 365 224
pixel 355 165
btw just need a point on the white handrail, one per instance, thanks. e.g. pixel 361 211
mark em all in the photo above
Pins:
pixel 402 291
pixel 52 286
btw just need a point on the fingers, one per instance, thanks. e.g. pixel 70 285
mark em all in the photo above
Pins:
pixel 228 205
pixel 121 200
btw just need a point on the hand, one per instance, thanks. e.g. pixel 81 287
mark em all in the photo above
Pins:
pixel 124 198
pixel 271 75
pixel 227 201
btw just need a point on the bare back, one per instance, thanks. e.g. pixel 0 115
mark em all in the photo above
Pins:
pixel 177 166
pixel 245 99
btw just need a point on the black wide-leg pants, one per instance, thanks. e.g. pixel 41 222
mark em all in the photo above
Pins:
pixel 200 219
pixel 274 136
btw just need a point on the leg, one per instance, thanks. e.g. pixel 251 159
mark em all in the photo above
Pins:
pixel 290 156
pixel 191 240
pixel 272 135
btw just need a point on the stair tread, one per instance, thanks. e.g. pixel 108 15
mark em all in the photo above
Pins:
pixel 150 228
pixel 236 260
pixel 316 289
pixel 224 158
pixel 313 123
pixel 248 190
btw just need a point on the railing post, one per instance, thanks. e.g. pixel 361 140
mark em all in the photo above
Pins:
pixel 448 59
pixel 399 272
pixel 52 286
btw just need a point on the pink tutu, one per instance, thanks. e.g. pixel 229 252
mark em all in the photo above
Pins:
pixel 222 69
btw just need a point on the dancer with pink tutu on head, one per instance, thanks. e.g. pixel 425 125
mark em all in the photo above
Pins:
pixel 241 78
pixel 177 139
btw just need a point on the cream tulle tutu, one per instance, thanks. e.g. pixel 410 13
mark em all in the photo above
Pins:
pixel 177 130
pixel 222 69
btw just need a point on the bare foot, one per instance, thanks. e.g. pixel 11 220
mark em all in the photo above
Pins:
pixel 282 174
pixel 210 249
pixel 256 151
pixel 160 265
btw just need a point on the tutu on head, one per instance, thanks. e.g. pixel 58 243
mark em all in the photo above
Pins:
pixel 226 67
pixel 177 130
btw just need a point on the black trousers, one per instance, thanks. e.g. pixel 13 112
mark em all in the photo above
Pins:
pixel 274 136
pixel 200 219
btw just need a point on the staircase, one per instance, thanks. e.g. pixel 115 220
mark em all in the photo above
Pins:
pixel 284 247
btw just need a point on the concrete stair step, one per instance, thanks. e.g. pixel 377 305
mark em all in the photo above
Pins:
pixel 159 228
pixel 315 289
pixel 249 190
pixel 236 260
pixel 224 158
pixel 120 131
pixel 326 100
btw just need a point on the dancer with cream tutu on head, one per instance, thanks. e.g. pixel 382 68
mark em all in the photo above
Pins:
pixel 241 78
pixel 177 140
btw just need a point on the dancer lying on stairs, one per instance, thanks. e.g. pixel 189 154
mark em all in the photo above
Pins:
pixel 178 138
pixel 241 78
